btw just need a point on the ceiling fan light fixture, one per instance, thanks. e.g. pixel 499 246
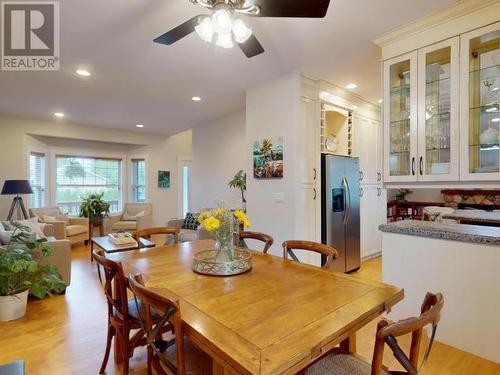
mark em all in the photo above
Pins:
pixel 205 30
pixel 225 40
pixel 222 21
pixel 241 31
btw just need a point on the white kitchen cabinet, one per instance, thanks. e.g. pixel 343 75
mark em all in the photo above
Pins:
pixel 441 93
pixel 438 115
pixel 480 104
pixel 308 152
pixel 373 203
pixel 367 146
pixel 306 227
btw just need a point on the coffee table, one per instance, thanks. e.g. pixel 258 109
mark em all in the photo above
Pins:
pixel 109 247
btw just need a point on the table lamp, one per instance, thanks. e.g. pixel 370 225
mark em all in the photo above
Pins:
pixel 16 187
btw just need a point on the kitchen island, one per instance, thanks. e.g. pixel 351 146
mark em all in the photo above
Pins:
pixel 462 262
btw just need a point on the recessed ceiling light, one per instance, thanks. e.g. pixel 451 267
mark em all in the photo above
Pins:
pixel 351 86
pixel 59 114
pixel 83 72
pixel 380 101
pixel 196 99
pixel 139 126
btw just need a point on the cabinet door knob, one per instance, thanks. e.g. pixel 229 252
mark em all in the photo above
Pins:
pixel 379 192
pixel 421 165
pixel 413 166
pixel 314 198
pixel 379 176
pixel 315 174
pixel 361 176
pixel 361 192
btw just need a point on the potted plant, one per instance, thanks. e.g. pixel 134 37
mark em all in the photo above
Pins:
pixel 239 181
pixel 94 207
pixel 22 273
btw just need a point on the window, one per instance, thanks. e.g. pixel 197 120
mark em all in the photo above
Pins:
pixel 37 173
pixel 138 180
pixel 77 176
pixel 184 170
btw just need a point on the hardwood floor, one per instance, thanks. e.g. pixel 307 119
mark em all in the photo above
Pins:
pixel 66 334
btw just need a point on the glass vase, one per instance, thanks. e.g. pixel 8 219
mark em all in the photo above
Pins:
pixel 224 244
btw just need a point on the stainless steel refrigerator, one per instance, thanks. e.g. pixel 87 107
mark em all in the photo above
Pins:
pixel 340 209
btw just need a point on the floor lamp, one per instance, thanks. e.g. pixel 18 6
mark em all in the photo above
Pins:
pixel 17 187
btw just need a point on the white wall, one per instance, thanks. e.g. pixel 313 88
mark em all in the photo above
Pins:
pixel 272 111
pixel 219 152
pixel 19 134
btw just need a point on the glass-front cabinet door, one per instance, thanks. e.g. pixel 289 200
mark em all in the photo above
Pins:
pixel 400 118
pixel 438 117
pixel 480 87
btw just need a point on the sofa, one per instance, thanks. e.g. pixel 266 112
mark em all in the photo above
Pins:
pixel 61 253
pixel 134 216
pixel 73 229
pixel 188 235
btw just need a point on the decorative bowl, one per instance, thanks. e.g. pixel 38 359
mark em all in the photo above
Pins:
pixel 205 262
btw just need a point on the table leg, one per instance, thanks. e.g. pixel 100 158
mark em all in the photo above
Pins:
pixel 220 369
pixel 349 344
pixel 91 250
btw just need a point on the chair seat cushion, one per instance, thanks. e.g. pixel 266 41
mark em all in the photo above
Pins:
pixel 197 361
pixel 341 364
pixel 73 230
pixel 188 235
pixel 125 225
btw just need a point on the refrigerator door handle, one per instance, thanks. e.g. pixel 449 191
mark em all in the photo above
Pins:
pixel 347 211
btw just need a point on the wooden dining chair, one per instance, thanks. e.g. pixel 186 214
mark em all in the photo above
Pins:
pixel 123 315
pixel 387 333
pixel 173 357
pixel 262 237
pixel 330 253
pixel 147 233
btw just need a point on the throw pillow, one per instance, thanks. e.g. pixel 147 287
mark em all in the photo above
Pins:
pixel 32 223
pixel 47 219
pixel 131 217
pixel 191 221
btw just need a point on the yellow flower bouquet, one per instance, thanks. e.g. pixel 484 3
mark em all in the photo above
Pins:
pixel 220 222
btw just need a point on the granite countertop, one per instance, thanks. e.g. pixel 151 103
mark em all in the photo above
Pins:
pixel 445 231
pixel 475 215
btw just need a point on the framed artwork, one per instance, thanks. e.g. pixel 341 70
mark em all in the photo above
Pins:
pixel 163 179
pixel 268 158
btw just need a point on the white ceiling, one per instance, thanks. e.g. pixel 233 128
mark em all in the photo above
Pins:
pixel 137 81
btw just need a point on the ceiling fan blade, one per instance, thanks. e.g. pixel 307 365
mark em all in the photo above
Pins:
pixel 251 47
pixel 293 8
pixel 179 32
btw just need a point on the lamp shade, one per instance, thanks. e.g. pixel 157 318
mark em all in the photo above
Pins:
pixel 13 187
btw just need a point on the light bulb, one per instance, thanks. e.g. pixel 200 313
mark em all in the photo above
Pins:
pixel 225 40
pixel 222 21
pixel 205 30
pixel 241 31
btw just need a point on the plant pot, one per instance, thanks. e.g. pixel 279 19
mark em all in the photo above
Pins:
pixel 13 307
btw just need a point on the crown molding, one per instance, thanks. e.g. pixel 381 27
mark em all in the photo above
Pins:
pixel 439 17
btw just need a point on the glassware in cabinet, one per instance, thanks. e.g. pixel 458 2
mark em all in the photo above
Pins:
pixel 482 75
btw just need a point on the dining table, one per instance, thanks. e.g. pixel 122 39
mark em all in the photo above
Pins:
pixel 277 318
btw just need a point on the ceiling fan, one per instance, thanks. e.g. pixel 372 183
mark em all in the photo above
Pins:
pixel 225 25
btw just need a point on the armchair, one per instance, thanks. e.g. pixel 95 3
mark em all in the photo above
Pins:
pixel 61 253
pixel 134 216
pixel 73 229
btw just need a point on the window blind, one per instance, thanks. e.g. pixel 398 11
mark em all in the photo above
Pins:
pixel 37 172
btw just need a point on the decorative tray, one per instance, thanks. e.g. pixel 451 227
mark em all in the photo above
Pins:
pixel 205 262
pixel 123 238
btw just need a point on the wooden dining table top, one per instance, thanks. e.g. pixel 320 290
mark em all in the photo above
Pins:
pixel 274 319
